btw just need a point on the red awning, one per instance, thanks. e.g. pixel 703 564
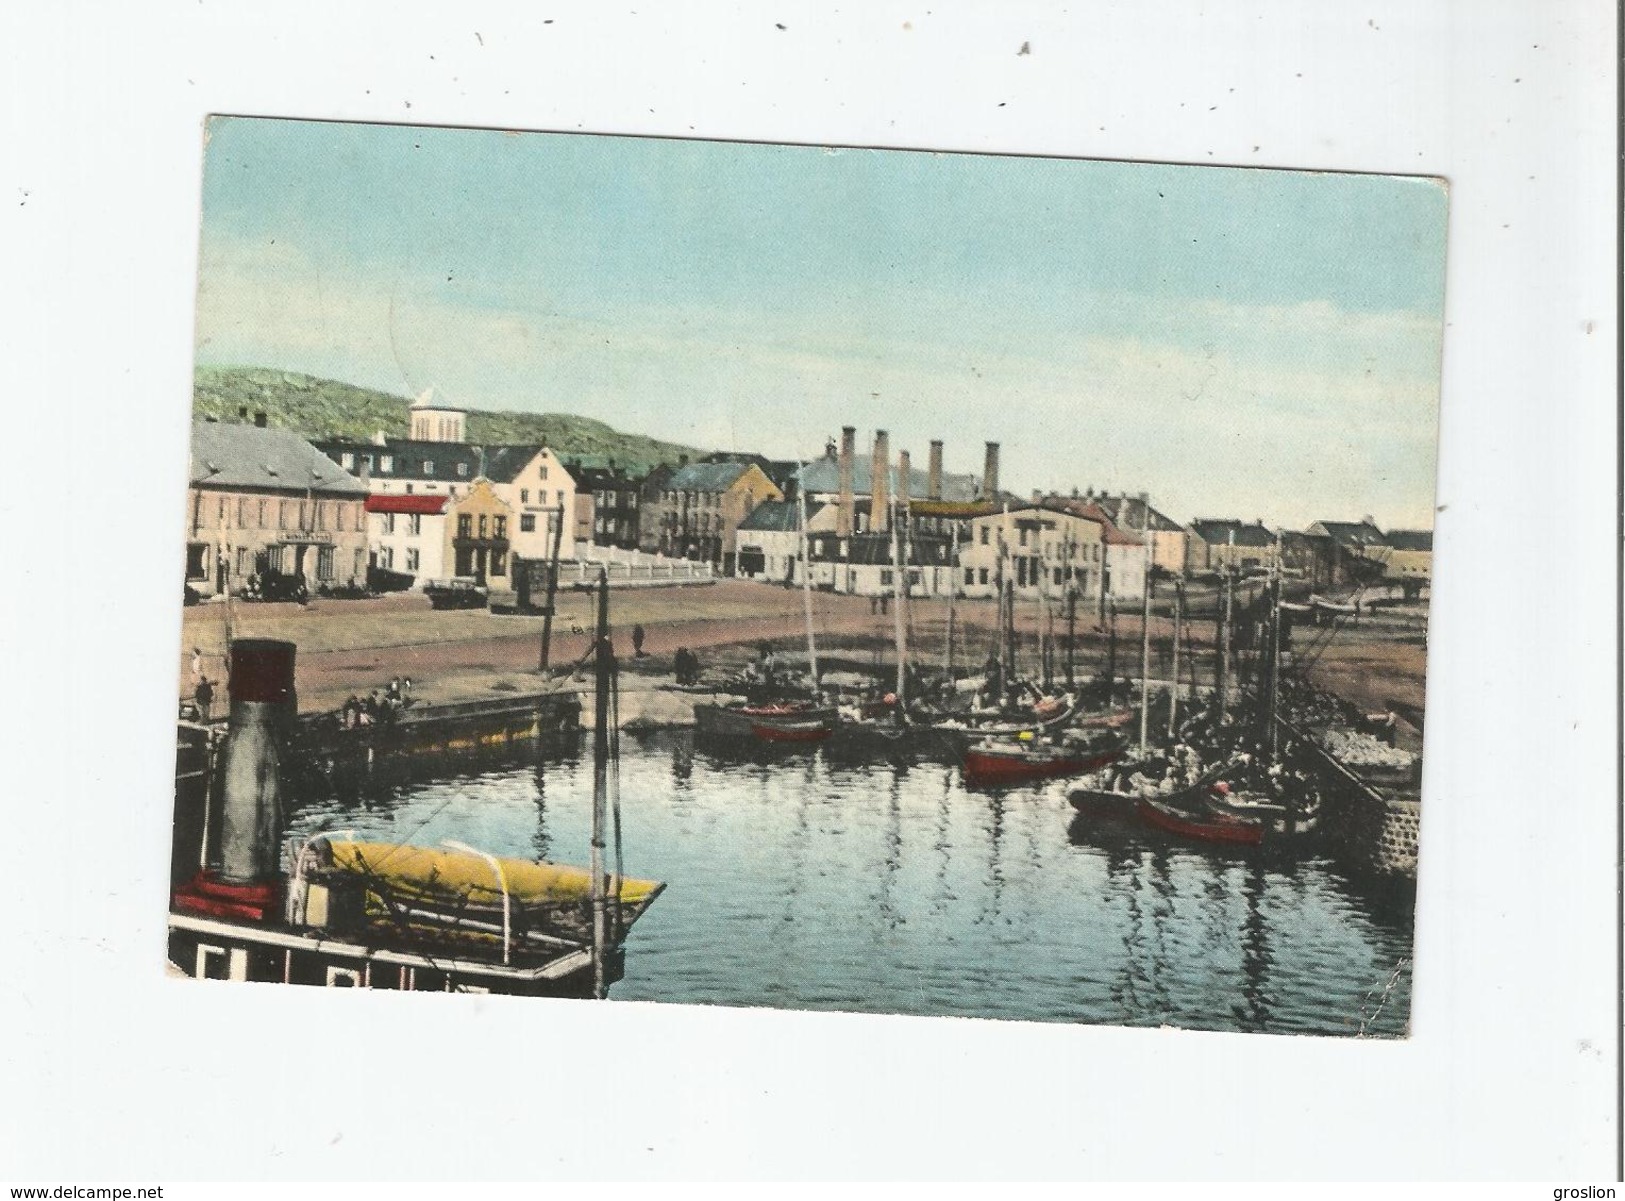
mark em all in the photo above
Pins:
pixel 407 504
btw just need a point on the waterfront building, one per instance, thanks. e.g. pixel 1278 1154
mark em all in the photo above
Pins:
pixel 1344 554
pixel 1221 543
pixel 1042 548
pixel 265 501
pixel 1410 560
pixel 702 506
pixel 477 536
pixel 769 540
pixel 1167 537
pixel 651 488
pixel 607 503
pixel 407 535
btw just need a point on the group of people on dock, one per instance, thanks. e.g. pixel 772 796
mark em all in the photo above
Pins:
pixel 374 709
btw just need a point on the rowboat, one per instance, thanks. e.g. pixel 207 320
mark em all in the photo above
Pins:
pixel 1208 827
pixel 999 761
pixel 768 723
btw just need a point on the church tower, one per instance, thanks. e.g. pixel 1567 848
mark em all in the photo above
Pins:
pixel 435 421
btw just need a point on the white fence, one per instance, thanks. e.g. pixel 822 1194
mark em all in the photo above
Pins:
pixel 623 565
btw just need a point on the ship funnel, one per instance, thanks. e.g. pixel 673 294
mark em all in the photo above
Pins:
pixel 262 706
pixel 244 829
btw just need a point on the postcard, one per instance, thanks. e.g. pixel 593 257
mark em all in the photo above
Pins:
pixel 807 577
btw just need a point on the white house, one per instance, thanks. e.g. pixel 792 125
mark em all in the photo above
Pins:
pixel 408 534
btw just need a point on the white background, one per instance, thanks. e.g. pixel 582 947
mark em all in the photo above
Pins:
pixel 110 1071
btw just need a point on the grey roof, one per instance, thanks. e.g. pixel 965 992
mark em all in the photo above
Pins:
pixel 777 516
pixel 706 477
pixel 1411 539
pixel 498 463
pixel 247 456
pixel 1131 512
pixel 1352 533
pixel 823 476
pixel 1217 531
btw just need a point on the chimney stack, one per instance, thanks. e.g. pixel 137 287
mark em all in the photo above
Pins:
pixel 933 474
pixel 843 515
pixel 990 472
pixel 905 468
pixel 880 483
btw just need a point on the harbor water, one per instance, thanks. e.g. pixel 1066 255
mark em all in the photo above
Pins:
pixel 806 880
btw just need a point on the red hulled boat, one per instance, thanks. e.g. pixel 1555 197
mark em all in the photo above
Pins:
pixel 1209 827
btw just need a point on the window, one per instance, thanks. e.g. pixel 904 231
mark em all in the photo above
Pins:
pixel 242 512
pixel 412 559
pixel 885 577
pixel 465 525
pixel 261 520
pixel 386 463
pixel 462 470
pixel 242 560
pixel 499 562
pixel 984 538
pixel 541 474
pixel 482 525
pixel 324 563
pixel 347 460
pixel 386 558
pixel 282 515
pixel 389 523
pixel 1058 577
pixel 360 564
pixel 343 977
pixel 970 576
pixel 981 576
pixel 501 530
pixel 414 524
pixel 428 466
pixel 524 496
pixel 321 514
pixel 527 523
pixel 338 517
pixel 409 489
pixel 1022 539
pixel 197 561
pixel 561 496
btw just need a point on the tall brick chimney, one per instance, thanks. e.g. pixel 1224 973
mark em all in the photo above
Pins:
pixel 990 472
pixel 905 467
pixel 880 484
pixel 843 515
pixel 933 471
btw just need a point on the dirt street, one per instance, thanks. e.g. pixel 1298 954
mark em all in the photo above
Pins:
pixel 354 646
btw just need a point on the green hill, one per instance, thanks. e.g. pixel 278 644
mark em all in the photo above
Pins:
pixel 323 408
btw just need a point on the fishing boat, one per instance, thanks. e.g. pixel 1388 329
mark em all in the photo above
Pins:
pixel 780 722
pixel 1014 760
pixel 1203 827
pixel 1278 817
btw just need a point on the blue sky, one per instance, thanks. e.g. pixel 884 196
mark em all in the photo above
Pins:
pixel 1236 342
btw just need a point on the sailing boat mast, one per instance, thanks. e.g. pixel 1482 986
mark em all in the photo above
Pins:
pixel 604 666
pixel 953 591
pixel 900 592
pixel 1145 655
pixel 1173 694
pixel 806 590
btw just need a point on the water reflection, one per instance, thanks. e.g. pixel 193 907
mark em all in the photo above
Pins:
pixel 817 881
